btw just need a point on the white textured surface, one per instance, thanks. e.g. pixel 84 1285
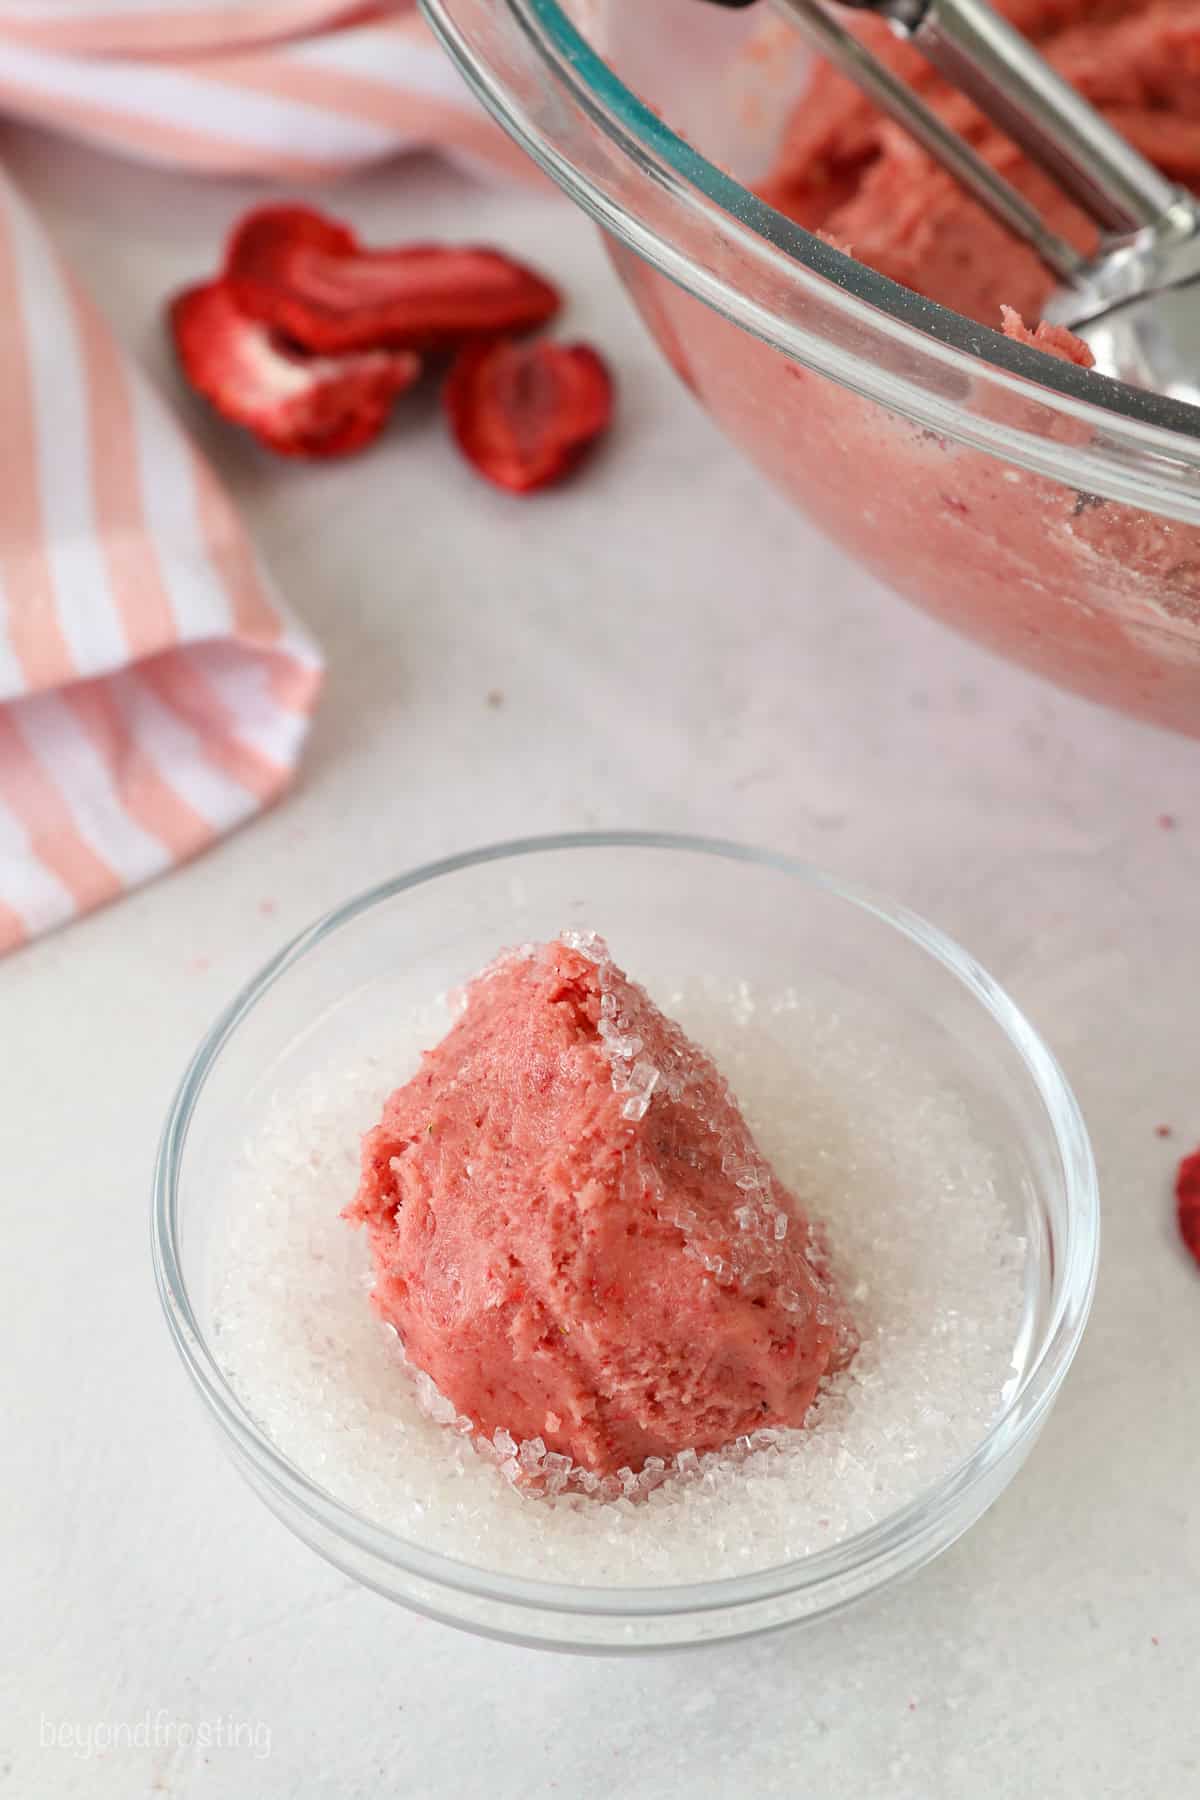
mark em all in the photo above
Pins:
pixel 880 1152
pixel 674 648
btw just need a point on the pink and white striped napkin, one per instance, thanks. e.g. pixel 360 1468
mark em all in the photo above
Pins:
pixel 290 88
pixel 153 690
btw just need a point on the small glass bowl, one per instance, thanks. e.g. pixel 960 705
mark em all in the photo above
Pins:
pixel 672 906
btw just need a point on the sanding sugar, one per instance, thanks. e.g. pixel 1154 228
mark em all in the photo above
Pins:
pixel 876 1145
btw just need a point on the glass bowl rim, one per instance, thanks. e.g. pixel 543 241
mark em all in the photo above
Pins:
pixel 1165 431
pixel 881 1541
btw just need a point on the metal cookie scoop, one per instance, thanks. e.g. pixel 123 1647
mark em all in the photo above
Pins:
pixel 1136 303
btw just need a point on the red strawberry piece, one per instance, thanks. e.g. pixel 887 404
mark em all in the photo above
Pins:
pixel 308 277
pixel 524 414
pixel 1187 1197
pixel 298 405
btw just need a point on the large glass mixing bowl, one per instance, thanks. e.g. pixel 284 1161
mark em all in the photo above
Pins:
pixel 1046 511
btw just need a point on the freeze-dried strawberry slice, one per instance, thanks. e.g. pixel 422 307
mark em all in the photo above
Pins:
pixel 1187 1199
pixel 524 414
pixel 298 405
pixel 309 277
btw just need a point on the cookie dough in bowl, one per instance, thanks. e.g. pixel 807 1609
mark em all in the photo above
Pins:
pixel 855 1072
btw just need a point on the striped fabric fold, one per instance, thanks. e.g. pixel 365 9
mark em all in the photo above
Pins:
pixel 152 28
pixel 292 89
pixel 153 691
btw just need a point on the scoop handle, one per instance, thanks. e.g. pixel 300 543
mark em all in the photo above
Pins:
pixel 982 56
pixel 830 38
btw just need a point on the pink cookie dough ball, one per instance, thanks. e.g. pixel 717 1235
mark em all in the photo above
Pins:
pixel 575 1235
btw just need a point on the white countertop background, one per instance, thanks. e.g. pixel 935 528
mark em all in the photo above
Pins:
pixel 675 648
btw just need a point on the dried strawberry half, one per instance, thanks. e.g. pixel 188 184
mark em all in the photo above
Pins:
pixel 296 404
pixel 309 277
pixel 1187 1199
pixel 524 414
